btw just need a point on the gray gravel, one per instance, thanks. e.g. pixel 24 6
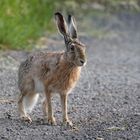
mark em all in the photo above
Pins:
pixel 105 105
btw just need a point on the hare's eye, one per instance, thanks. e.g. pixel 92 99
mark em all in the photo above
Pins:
pixel 72 47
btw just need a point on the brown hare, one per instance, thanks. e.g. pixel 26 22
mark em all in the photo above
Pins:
pixel 54 72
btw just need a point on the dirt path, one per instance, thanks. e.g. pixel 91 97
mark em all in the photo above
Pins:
pixel 105 105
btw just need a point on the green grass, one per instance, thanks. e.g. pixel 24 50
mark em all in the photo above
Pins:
pixel 22 21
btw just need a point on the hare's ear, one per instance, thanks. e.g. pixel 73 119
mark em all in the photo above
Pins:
pixel 72 27
pixel 61 24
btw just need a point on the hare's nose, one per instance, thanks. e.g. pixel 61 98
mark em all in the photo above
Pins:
pixel 82 61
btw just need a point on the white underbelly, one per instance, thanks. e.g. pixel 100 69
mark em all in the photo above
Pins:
pixel 39 87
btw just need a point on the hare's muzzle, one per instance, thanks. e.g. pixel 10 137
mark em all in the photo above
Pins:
pixel 82 62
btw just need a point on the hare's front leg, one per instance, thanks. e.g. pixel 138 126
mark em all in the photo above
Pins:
pixel 64 109
pixel 48 106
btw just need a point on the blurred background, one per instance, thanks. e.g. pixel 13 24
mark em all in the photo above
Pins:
pixel 23 23
pixel 105 104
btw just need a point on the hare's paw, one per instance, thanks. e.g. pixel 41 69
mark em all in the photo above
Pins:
pixel 51 121
pixel 67 122
pixel 26 119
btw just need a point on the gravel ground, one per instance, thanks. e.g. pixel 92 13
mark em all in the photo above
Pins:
pixel 105 105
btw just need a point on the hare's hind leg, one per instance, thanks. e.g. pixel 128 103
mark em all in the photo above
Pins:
pixel 26 103
pixel 22 109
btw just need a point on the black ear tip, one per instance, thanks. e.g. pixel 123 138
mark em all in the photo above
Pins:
pixel 58 14
pixel 69 18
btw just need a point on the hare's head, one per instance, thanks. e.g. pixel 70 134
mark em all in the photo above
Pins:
pixel 75 50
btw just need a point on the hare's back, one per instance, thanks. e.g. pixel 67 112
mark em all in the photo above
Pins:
pixel 36 67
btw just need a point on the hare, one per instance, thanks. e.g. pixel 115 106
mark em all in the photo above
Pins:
pixel 51 72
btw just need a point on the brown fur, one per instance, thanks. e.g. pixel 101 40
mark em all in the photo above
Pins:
pixel 65 74
pixel 54 72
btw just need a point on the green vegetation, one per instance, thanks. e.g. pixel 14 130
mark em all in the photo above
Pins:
pixel 21 21
pixel 24 21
